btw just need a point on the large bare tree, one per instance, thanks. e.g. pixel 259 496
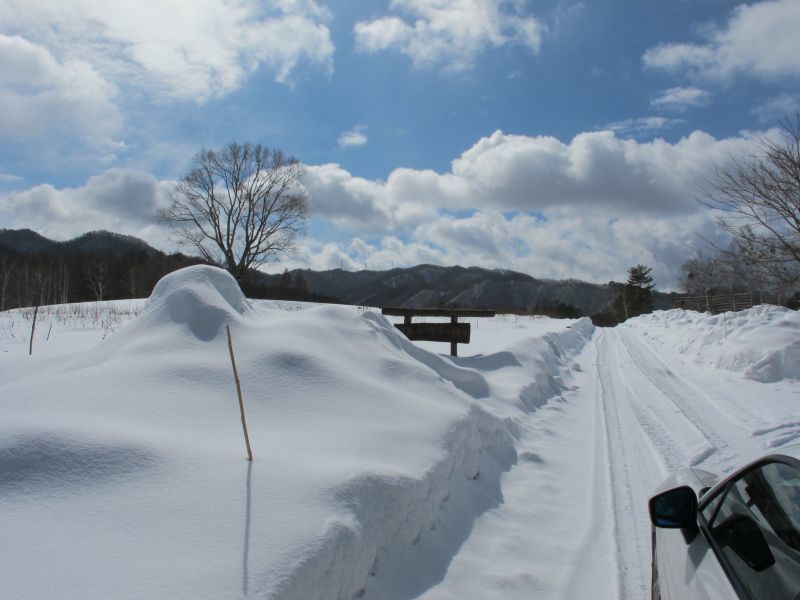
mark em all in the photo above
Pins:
pixel 240 206
pixel 759 202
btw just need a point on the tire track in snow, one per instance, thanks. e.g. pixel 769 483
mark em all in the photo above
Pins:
pixel 653 422
pixel 631 466
pixel 678 436
pixel 719 431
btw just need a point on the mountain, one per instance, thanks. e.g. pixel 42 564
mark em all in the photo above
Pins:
pixel 130 266
pixel 98 265
pixel 473 287
pixel 27 243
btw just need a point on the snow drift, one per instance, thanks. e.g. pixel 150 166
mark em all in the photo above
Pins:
pixel 762 343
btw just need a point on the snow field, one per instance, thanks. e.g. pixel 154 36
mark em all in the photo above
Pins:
pixel 123 471
pixel 383 469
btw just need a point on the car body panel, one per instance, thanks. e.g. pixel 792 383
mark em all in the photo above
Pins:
pixel 689 571
pixel 692 570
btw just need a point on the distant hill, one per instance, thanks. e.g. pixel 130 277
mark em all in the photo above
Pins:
pixel 98 265
pixel 473 287
pixel 109 265
pixel 27 242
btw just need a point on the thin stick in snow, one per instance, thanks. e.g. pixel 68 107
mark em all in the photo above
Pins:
pixel 239 392
pixel 33 328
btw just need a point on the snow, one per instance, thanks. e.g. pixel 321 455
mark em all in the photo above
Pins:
pixel 762 342
pixel 383 469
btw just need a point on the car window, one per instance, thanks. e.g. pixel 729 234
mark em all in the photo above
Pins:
pixel 755 526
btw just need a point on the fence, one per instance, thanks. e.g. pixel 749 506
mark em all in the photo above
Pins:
pixel 715 304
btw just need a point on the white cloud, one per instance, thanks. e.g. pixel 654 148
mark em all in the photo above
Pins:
pixel 9 178
pixel 641 126
pixel 450 33
pixel 777 108
pixel 183 49
pixel 759 40
pixel 681 98
pixel 589 208
pixel 595 171
pixel 354 137
pixel 568 243
pixel 44 97
pixel 117 200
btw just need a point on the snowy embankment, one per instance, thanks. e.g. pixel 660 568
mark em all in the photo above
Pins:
pixel 762 342
pixel 122 471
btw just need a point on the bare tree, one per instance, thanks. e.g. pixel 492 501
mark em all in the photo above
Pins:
pixel 97 276
pixel 759 200
pixel 239 207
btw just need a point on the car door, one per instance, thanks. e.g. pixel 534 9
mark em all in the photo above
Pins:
pixel 753 526
pixel 689 571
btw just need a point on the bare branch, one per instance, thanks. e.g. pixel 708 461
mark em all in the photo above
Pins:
pixel 758 201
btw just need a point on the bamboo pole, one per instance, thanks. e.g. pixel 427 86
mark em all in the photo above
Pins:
pixel 33 328
pixel 239 392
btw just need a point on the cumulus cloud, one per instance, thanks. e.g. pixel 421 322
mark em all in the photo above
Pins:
pixel 759 40
pixel 357 204
pixel 449 33
pixel 353 137
pixel 184 49
pixel 119 200
pixel 42 96
pixel 587 208
pixel 566 243
pixel 681 98
pixel 595 171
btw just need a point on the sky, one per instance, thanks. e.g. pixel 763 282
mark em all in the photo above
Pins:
pixel 559 138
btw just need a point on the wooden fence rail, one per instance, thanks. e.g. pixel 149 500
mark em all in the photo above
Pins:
pixel 715 304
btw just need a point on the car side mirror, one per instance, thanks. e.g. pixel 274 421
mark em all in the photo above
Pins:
pixel 675 509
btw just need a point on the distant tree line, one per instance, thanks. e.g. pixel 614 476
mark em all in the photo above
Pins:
pixel 288 286
pixel 114 273
pixel 40 278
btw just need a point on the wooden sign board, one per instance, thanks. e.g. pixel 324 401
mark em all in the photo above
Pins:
pixel 437 332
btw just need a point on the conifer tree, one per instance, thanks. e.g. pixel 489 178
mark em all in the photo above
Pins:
pixel 635 298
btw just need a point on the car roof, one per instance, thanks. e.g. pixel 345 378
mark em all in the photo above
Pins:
pixel 792 450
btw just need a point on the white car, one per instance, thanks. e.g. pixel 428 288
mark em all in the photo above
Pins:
pixel 734 537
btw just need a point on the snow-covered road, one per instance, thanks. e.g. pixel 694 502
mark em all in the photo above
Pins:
pixel 573 522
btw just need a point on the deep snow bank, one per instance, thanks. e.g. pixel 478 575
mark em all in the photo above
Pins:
pixel 762 342
pixel 124 470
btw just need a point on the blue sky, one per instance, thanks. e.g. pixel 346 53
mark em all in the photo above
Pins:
pixel 558 138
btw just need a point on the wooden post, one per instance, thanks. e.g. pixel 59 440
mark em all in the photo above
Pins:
pixel 239 392
pixel 453 345
pixel 33 328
